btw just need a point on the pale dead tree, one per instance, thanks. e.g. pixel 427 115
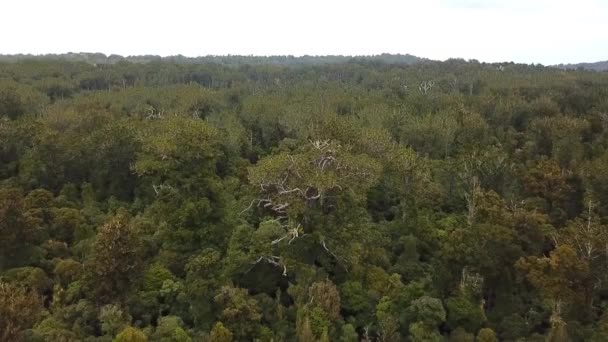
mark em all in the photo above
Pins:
pixel 320 145
pixel 366 337
pixel 153 113
pixel 273 260
pixel 250 205
pixel 279 209
pixel 292 233
pixel 530 317
pixel 590 231
pixel 556 314
pixel 426 86
pixel 300 182
pixel 514 205
pixel 471 169
pixel 325 160
pixel 454 85
pixel 333 254
pixel 604 119
pixel 282 187
pixel 589 238
pixel 293 166
pixel 470 281
pixel 159 188
pixel 250 138
pixel 470 196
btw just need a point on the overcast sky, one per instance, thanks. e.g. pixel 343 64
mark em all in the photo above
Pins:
pixel 530 31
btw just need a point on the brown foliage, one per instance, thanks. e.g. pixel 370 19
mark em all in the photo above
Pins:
pixel 116 259
pixel 325 295
pixel 16 228
pixel 19 310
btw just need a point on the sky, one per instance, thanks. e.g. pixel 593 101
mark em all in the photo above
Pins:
pixel 524 31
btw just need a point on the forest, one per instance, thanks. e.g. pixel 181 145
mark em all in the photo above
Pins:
pixel 314 199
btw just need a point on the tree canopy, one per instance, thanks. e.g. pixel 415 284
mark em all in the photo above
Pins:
pixel 381 198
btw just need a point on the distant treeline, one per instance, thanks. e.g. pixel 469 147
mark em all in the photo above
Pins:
pixel 100 58
pixel 597 66
pixel 330 199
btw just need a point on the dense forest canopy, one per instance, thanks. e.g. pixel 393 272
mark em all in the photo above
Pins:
pixel 359 199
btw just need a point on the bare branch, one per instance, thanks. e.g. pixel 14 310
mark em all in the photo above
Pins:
pixel 161 187
pixel 273 260
pixel 333 254
pixel 274 242
pixel 249 207
pixel 320 145
pixel 426 86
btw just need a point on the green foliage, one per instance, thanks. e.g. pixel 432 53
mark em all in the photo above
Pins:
pixel 177 143
pixel 17 100
pixel 461 335
pixel 465 313
pixel 112 319
pixel 68 270
pixel 354 297
pixel 388 325
pixel 31 277
pixel 155 276
pixel 305 332
pixel 601 331
pixel 130 334
pixel 311 198
pixel 52 329
pixel 220 334
pixel 239 311
pixel 427 310
pixel 486 335
pixel 170 328
pixel 349 334
pixel 16 227
pixel 421 332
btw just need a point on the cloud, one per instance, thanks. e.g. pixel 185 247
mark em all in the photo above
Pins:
pixel 532 31
pixel 472 4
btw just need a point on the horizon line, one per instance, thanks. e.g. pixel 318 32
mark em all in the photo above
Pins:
pixel 108 55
